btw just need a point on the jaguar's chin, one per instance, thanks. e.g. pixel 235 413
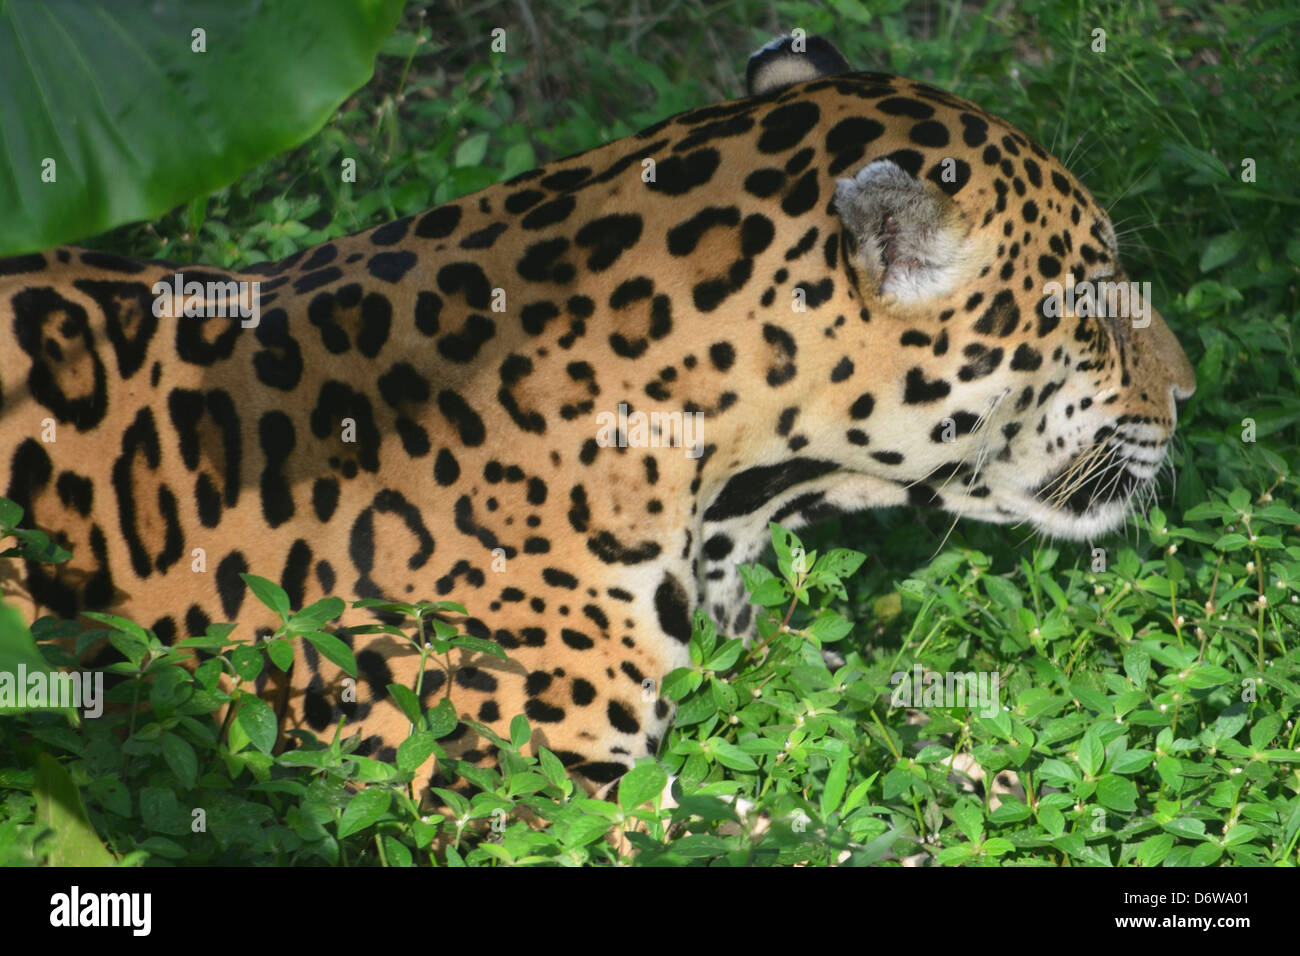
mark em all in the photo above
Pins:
pixel 1099 519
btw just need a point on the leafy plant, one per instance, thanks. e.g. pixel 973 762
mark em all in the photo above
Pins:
pixel 100 95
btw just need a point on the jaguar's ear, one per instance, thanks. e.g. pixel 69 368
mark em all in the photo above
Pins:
pixel 788 60
pixel 908 238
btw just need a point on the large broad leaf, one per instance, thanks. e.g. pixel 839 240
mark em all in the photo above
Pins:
pixel 19 658
pixel 112 100
pixel 59 807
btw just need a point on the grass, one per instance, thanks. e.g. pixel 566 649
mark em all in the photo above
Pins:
pixel 1150 688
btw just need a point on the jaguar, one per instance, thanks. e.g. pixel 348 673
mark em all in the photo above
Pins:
pixel 571 403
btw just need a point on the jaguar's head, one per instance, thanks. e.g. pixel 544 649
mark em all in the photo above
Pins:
pixel 1037 382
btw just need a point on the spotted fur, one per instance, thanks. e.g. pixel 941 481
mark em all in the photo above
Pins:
pixel 662 271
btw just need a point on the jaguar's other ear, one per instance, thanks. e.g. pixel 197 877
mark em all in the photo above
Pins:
pixel 905 235
pixel 787 60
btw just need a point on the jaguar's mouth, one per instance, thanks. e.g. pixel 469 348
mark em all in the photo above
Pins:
pixel 1095 478
pixel 1093 494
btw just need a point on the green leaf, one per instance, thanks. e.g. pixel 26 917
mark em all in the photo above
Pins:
pixel 305 758
pixel 1117 793
pixel 247 661
pixel 583 830
pixel 1131 761
pixel 1264 731
pixel 406 700
pixel 479 645
pixel 1186 827
pixel 841 562
pixel 519 158
pixel 268 592
pixel 858 794
pixel 725 697
pixel 181 759
pixel 1205 675
pixel 997 846
pixel 442 719
pixel 1222 248
pixel 642 784
pixel 1154 849
pixel 281 652
pixel 472 150
pixel 1205 167
pixel 729 755
pixel 1280 513
pixel 11 513
pixel 317 615
pixel 680 682
pixel 1170 770
pixel 1010 810
pixel 334 650
pixel 1137 665
pixel 1002 591
pixel 257 720
pixel 1241 833
pixel 363 810
pixel 1053 820
pixel 1207 854
pixel 552 767
pixel 108 90
pixel 369 770
pixel 1091 753
pixel 399 854
pixel 17 649
pixel 415 750
pixel 836 782
pixel 830 626
pixel 969 819
pixel 59 807
pixel 955 854
pixel 520 732
pixel 769 593
pixel 726 656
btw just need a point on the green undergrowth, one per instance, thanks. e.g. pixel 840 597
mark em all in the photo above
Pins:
pixel 1147 711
